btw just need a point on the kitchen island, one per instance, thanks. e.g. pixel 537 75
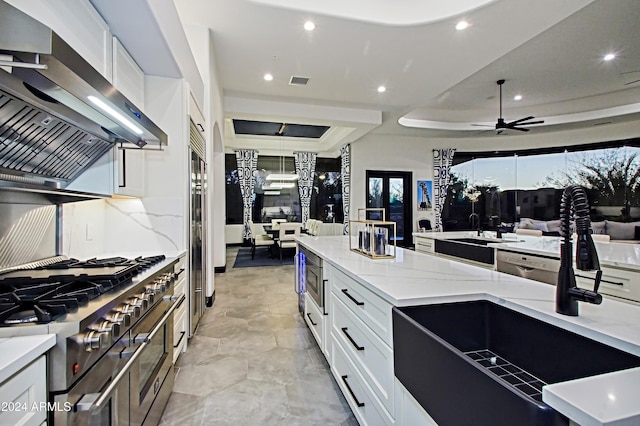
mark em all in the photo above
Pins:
pixel 418 279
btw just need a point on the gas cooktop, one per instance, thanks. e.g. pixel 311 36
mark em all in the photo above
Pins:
pixel 45 293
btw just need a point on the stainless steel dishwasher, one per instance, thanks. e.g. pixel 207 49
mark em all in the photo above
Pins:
pixel 534 267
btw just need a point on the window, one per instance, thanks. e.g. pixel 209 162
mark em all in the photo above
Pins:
pixel 232 191
pixel 501 190
pixel 326 199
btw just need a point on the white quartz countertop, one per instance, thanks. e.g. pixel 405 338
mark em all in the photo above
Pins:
pixel 607 399
pixel 417 278
pixel 18 352
pixel 623 255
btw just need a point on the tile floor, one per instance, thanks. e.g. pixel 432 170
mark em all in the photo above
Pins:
pixel 253 361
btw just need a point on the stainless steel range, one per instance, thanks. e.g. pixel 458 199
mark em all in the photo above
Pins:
pixel 113 318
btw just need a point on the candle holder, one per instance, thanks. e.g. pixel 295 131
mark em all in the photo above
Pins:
pixel 373 238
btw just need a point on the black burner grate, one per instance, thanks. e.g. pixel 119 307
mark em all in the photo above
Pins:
pixel 46 293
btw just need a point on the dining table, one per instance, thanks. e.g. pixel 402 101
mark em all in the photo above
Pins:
pixel 275 232
pixel 271 231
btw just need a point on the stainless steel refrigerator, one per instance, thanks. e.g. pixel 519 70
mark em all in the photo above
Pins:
pixel 198 227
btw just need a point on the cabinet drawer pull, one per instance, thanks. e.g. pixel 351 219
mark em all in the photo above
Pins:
pixel 182 333
pixel 353 342
pixel 353 299
pixel 358 403
pixel 602 281
pixel 309 316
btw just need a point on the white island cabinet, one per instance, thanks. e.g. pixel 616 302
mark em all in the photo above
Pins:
pixel 23 380
pixel 360 347
pixel 359 337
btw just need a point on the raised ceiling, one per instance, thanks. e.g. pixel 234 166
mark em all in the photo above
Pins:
pixel 439 81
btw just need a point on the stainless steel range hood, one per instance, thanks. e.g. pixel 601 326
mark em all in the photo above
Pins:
pixel 51 125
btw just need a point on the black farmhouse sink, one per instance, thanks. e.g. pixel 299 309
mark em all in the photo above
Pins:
pixel 479 363
pixel 467 248
pixel 476 241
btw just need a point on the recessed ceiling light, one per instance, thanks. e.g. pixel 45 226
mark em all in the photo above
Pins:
pixel 381 89
pixel 517 97
pixel 462 25
pixel 268 77
pixel 609 56
pixel 309 26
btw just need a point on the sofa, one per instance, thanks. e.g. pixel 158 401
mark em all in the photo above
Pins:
pixel 617 231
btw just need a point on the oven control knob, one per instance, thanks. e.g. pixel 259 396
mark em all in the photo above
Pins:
pixel 164 283
pixel 131 310
pixel 94 340
pixel 109 328
pixel 149 297
pixel 139 303
pixel 158 287
pixel 120 318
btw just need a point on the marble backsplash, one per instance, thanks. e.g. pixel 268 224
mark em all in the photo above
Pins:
pixel 124 227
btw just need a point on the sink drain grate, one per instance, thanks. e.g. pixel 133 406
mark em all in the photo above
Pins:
pixel 510 373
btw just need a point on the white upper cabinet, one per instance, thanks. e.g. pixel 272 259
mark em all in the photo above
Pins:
pixel 196 115
pixel 128 78
pixel 79 24
pixel 129 172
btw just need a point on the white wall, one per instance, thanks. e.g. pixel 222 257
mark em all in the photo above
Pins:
pixel 414 154
pixel 382 152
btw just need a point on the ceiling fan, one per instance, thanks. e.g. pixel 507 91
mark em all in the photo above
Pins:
pixel 502 125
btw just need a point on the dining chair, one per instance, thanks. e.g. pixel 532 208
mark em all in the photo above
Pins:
pixel 259 238
pixel 287 236
pixel 276 222
pixel 312 227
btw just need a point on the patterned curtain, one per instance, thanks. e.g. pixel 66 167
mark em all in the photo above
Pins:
pixel 247 165
pixel 345 172
pixel 305 168
pixel 442 160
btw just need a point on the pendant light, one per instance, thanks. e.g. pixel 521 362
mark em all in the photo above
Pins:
pixel 283 179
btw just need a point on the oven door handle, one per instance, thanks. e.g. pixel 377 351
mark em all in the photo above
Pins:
pixel 95 401
pixel 166 316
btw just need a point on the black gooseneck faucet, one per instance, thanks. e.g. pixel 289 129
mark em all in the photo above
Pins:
pixel 474 219
pixel 574 205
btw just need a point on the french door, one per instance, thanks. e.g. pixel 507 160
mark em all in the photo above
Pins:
pixel 392 192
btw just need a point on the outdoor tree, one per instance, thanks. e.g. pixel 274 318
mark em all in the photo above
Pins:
pixel 375 192
pixel 612 177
